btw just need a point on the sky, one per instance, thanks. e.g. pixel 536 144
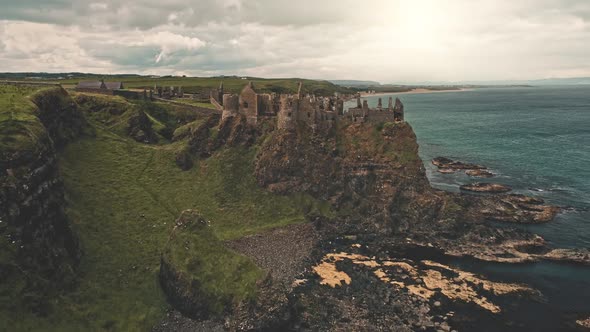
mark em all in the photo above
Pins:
pixel 381 40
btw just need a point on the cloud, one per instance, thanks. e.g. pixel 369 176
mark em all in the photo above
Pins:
pixel 386 40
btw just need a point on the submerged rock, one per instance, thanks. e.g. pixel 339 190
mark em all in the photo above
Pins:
pixel 481 187
pixel 446 163
pixel 581 256
pixel 480 173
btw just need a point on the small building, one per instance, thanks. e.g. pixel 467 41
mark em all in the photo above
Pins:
pixel 114 85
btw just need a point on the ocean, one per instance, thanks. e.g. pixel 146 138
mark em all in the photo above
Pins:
pixel 537 140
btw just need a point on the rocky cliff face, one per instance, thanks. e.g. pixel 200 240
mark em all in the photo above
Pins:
pixel 372 170
pixel 38 250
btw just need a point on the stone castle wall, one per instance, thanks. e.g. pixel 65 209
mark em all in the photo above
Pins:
pixel 318 113
pixel 231 105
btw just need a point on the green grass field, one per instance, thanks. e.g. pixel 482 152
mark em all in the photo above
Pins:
pixel 123 198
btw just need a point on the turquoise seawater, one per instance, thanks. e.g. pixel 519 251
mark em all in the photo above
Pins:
pixel 537 140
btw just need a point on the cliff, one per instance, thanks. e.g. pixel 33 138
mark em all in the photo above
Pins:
pixel 360 167
pixel 38 250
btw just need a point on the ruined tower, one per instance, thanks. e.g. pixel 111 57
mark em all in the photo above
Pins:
pixel 379 104
pixel 339 106
pixel 390 105
pixel 288 112
pixel 365 108
pixel 398 110
pixel 249 103
pixel 220 94
pixel 358 103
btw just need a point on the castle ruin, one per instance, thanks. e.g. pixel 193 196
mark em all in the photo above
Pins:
pixel 291 109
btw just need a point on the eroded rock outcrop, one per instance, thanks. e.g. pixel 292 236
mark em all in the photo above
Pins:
pixel 206 136
pixel 139 127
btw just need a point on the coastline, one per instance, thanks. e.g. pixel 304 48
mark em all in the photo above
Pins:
pixel 413 91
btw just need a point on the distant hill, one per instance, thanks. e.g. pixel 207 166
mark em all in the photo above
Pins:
pixel 538 82
pixel 355 84
pixel 561 81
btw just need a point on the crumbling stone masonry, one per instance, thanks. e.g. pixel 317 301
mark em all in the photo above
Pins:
pixel 319 113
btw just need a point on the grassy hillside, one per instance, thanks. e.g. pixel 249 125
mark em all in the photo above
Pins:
pixel 123 200
pixel 19 126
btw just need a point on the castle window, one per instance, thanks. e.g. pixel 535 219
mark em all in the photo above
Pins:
pixel 245 104
pixel 289 114
pixel 308 115
pixel 290 103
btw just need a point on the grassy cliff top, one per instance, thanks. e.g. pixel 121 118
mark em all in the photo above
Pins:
pixel 19 127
